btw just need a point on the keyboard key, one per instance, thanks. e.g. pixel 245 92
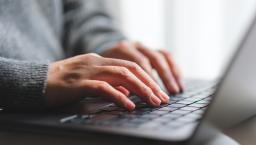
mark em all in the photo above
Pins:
pixel 114 112
pixel 198 112
pixel 181 112
pixel 198 105
pixel 193 99
pixel 162 120
pixel 170 118
pixel 150 116
pixel 199 97
pixel 139 120
pixel 137 112
pixel 150 125
pixel 172 115
pixel 203 102
pixel 177 105
pixel 172 125
pixel 168 108
pixel 113 108
pixel 158 112
pixel 184 95
pixel 189 108
pixel 185 119
pixel 175 99
pixel 147 110
pixel 186 102
pixel 194 115
pixel 142 105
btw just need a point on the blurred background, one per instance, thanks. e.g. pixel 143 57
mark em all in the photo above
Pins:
pixel 201 34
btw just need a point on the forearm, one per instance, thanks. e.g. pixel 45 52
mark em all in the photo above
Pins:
pixel 22 85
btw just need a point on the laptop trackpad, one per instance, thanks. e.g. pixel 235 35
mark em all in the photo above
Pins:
pixel 88 106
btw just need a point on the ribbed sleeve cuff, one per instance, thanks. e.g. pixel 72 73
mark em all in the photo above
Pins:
pixel 23 85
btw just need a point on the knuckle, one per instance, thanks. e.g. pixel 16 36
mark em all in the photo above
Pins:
pixel 91 56
pixel 145 60
pixel 166 68
pixel 156 56
pixel 164 51
pixel 102 85
pixel 159 59
pixel 167 76
pixel 134 66
pixel 119 98
pixel 122 44
pixel 124 72
pixel 146 90
pixel 167 53
pixel 145 63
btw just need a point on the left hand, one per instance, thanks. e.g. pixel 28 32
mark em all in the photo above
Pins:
pixel 148 59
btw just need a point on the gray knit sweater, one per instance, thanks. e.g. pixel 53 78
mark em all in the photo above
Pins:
pixel 34 33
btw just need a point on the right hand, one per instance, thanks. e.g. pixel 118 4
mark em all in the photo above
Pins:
pixel 91 75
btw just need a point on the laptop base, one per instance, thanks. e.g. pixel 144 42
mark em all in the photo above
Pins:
pixel 22 138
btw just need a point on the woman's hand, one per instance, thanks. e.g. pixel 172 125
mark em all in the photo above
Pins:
pixel 92 75
pixel 148 59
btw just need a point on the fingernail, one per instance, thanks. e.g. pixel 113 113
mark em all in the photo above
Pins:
pixel 176 88
pixel 155 100
pixel 182 86
pixel 165 96
pixel 173 88
pixel 130 105
pixel 162 97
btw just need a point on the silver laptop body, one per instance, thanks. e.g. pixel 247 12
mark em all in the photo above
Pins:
pixel 233 101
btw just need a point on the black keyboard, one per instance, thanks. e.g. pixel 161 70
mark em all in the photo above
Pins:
pixel 182 109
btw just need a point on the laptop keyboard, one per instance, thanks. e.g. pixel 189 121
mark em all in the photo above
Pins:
pixel 182 109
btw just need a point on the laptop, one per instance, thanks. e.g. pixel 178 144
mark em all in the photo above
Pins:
pixel 195 115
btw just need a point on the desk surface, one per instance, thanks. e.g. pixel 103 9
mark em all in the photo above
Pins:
pixel 244 133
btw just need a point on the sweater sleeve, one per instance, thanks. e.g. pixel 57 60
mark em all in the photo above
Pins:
pixel 89 27
pixel 22 85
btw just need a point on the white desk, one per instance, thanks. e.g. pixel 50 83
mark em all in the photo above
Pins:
pixel 244 133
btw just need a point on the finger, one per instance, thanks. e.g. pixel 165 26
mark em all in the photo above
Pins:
pixel 104 89
pixel 174 68
pixel 132 54
pixel 123 90
pixel 159 63
pixel 143 62
pixel 121 76
pixel 141 75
